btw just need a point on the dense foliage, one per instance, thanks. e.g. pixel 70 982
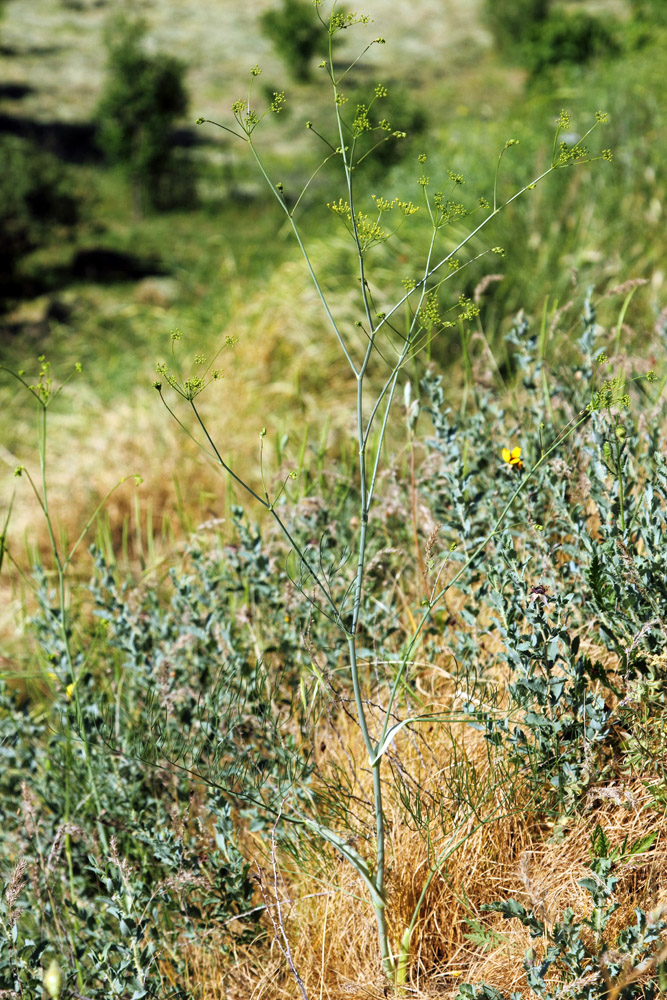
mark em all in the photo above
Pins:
pixel 37 198
pixel 296 33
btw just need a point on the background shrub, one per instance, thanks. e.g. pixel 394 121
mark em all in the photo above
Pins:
pixel 36 195
pixel 566 37
pixel 143 97
pixel 541 36
pixel 295 32
pixel 652 11
pixel 510 21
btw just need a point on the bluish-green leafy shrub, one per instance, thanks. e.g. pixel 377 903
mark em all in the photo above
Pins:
pixel 175 708
pixel 198 693
pixel 585 546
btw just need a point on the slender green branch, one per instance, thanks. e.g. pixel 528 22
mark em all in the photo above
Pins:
pixel 93 517
pixel 355 61
pixel 306 257
pixel 468 238
pixel 402 961
pixel 381 437
pixel 223 464
pixel 225 128
pixel 268 506
pixel 309 182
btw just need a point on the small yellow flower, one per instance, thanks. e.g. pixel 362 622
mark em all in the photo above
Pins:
pixel 513 457
pixel 69 691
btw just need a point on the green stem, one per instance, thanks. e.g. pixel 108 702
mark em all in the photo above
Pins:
pixel 268 506
pixel 621 490
pixel 61 569
pixel 302 248
pixel 404 952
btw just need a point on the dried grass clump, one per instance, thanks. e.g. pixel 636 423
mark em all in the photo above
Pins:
pixel 328 921
pixel 501 849
pixel 547 875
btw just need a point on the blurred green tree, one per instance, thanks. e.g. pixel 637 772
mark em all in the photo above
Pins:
pixel 650 11
pixel 540 35
pixel 143 97
pixel 511 21
pixel 296 34
pixel 36 194
pixel 573 37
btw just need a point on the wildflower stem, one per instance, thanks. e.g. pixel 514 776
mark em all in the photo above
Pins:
pixel 302 248
pixel 268 506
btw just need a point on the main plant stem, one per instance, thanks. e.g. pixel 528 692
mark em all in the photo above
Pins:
pixel 375 880
pixel 378 878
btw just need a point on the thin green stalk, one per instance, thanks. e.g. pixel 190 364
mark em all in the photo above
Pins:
pixel 621 489
pixel 61 569
pixel 390 383
pixel 3 534
pixel 404 950
pixel 467 239
pixel 542 356
pixel 269 506
pixel 304 253
pixel 365 499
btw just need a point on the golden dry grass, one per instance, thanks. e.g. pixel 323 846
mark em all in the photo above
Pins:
pixel 498 846
pixel 273 378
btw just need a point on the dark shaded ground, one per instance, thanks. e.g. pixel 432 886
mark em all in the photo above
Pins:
pixel 15 91
pixel 104 267
pixel 73 142
pixel 96 265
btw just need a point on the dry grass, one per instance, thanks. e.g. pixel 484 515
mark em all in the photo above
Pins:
pixel 272 379
pixel 333 938
pixel 59 47
pixel 547 876
pixel 498 846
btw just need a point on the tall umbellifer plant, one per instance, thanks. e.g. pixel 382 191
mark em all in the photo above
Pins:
pixel 376 350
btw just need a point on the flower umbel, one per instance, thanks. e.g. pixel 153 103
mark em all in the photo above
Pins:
pixel 513 457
